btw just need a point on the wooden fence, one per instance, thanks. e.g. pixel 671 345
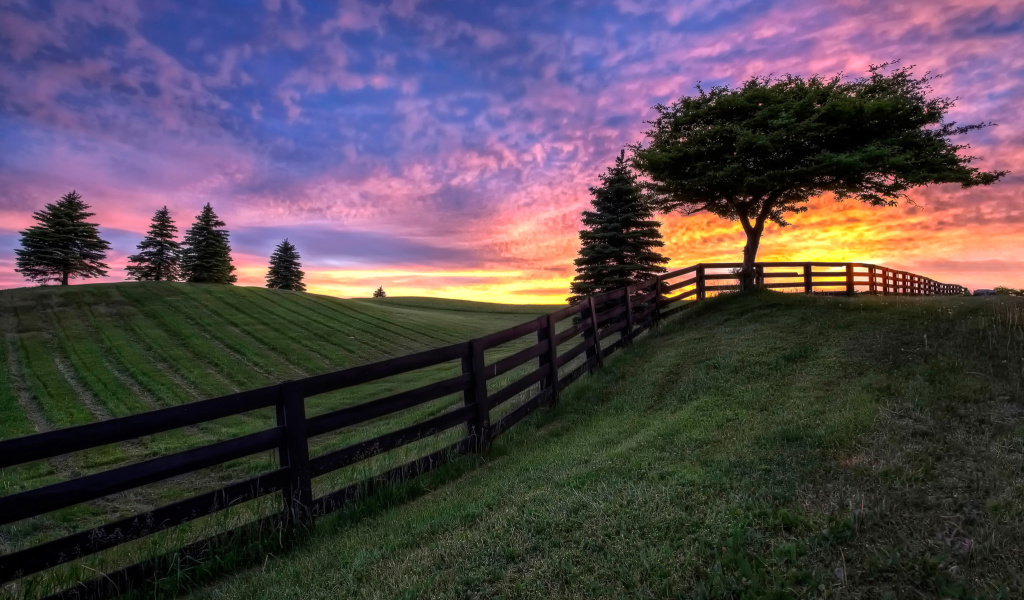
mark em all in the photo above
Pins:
pixel 591 330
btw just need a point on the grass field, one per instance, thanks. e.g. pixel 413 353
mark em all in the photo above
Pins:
pixel 91 352
pixel 765 446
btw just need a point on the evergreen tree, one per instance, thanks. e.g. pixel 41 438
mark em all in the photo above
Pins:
pixel 158 257
pixel 63 245
pixel 380 293
pixel 205 253
pixel 618 246
pixel 285 271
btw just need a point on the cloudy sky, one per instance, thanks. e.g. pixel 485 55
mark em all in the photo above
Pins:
pixel 446 148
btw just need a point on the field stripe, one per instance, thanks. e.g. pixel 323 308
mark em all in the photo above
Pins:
pixel 344 328
pixel 399 331
pixel 282 346
pixel 202 345
pixel 299 332
pixel 164 342
pixel 264 358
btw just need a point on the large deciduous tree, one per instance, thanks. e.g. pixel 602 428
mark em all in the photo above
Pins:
pixel 757 153
pixel 158 258
pixel 206 253
pixel 620 240
pixel 63 245
pixel 285 271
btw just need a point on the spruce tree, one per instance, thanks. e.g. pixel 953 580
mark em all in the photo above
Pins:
pixel 380 293
pixel 63 245
pixel 158 257
pixel 618 245
pixel 205 253
pixel 285 271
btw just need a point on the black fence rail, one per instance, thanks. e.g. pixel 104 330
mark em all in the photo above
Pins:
pixel 559 348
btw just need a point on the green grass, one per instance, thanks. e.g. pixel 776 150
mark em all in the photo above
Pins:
pixel 765 446
pixel 88 352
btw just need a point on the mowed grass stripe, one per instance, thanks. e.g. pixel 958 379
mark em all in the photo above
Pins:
pixel 87 359
pixel 178 324
pixel 398 330
pixel 399 326
pixel 341 311
pixel 262 353
pixel 161 341
pixel 346 330
pixel 14 421
pixel 296 312
pixel 145 368
pixel 261 331
pixel 299 330
pixel 50 390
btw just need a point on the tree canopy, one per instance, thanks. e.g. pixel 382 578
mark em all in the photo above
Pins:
pixel 206 252
pixel 759 152
pixel 285 271
pixel 158 257
pixel 63 245
pixel 380 293
pixel 620 240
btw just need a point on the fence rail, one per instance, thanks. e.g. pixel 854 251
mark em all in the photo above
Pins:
pixel 620 314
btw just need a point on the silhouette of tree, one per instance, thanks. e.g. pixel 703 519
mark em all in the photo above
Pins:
pixel 206 253
pixel 285 271
pixel 757 153
pixel 158 257
pixel 63 245
pixel 619 245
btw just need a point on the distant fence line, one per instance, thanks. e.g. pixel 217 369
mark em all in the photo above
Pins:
pixel 625 312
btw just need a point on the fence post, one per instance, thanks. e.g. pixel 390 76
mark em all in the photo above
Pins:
pixel 553 358
pixel 656 313
pixel 596 333
pixel 475 394
pixel 701 284
pixel 872 286
pixel 808 283
pixel 759 275
pixel 885 281
pixel 293 453
pixel 546 334
pixel 628 336
pixel 849 279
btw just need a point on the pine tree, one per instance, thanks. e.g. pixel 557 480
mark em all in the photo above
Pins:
pixel 618 246
pixel 380 293
pixel 158 257
pixel 285 271
pixel 205 253
pixel 63 245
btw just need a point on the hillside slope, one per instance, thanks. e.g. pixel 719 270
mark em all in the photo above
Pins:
pixel 762 446
pixel 87 352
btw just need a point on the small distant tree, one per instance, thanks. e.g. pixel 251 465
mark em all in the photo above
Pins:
pixel 158 257
pixel 380 293
pixel 206 253
pixel 1008 291
pixel 620 242
pixel 285 271
pixel 63 245
pixel 759 152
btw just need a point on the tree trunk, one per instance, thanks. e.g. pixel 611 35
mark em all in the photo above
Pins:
pixel 64 278
pixel 747 278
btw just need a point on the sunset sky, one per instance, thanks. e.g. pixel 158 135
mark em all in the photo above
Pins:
pixel 446 148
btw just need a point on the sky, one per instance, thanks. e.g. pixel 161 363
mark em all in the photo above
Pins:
pixel 447 148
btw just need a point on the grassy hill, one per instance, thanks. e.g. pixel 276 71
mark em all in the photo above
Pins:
pixel 84 353
pixel 766 446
